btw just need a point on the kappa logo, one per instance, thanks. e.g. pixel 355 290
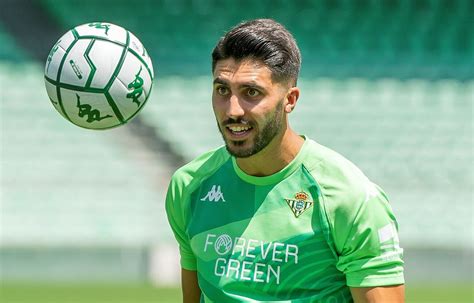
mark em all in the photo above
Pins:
pixel 91 113
pixel 100 25
pixel 137 86
pixel 214 195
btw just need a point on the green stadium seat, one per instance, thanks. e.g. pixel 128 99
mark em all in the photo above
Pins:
pixel 343 39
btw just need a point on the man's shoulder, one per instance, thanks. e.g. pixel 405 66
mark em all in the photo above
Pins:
pixel 202 166
pixel 326 161
pixel 337 176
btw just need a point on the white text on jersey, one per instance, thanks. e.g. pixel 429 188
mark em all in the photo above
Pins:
pixel 214 195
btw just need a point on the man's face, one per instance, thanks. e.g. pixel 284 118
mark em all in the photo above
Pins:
pixel 248 105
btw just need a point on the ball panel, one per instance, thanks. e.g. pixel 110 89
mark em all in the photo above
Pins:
pixel 88 110
pixel 103 30
pixel 132 86
pixel 76 68
pixel 140 50
pixel 53 97
pixel 104 56
pixel 53 62
pixel 56 54
pixel 129 109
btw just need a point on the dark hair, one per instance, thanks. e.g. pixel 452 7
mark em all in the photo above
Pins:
pixel 265 40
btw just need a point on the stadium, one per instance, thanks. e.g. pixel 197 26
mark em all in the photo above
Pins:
pixel 388 84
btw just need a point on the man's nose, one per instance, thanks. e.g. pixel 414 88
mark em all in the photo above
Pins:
pixel 234 109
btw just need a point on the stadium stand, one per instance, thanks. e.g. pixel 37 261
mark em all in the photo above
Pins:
pixel 371 39
pixel 81 187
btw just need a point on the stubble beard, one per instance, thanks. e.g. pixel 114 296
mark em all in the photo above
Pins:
pixel 269 130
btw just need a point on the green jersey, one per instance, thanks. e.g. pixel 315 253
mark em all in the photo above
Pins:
pixel 304 234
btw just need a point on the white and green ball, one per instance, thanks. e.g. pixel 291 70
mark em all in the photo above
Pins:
pixel 98 75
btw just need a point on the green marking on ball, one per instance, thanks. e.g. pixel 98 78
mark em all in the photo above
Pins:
pixel 101 39
pixel 74 87
pixel 114 107
pixel 58 76
pixel 51 53
pixel 137 55
pixel 91 64
pixel 76 69
pixel 52 101
pixel 100 25
pixel 75 34
pixel 137 86
pixel 120 63
pixel 87 110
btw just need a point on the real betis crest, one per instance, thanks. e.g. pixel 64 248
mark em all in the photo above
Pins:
pixel 300 203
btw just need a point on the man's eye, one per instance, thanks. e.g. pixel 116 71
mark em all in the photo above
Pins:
pixel 253 92
pixel 221 90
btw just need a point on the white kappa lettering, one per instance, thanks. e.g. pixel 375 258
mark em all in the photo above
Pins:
pixel 214 195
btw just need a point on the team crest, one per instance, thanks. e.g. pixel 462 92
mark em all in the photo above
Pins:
pixel 300 203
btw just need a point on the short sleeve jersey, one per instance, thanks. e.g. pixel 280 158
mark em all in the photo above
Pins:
pixel 304 234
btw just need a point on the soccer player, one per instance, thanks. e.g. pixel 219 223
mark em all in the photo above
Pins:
pixel 273 215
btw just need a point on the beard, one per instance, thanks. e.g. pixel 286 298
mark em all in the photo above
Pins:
pixel 266 133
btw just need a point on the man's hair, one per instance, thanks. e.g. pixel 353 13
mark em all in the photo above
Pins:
pixel 264 40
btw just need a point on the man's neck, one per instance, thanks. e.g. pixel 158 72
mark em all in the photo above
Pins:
pixel 274 157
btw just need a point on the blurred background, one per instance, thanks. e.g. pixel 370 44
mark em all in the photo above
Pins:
pixel 388 84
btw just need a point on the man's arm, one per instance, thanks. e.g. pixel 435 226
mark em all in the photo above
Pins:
pixel 382 294
pixel 190 287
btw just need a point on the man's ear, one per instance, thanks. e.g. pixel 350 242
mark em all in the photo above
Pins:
pixel 291 99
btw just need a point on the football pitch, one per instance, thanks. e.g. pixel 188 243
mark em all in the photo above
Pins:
pixel 128 293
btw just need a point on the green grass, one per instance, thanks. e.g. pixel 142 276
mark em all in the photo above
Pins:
pixel 129 293
pixel 442 293
pixel 87 293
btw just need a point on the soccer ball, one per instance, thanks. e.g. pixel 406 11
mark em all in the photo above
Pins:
pixel 98 75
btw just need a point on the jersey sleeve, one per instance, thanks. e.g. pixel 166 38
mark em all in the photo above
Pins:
pixel 366 239
pixel 176 217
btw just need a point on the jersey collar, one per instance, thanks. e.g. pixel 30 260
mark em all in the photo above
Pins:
pixel 276 177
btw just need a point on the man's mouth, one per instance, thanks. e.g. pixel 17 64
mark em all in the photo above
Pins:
pixel 238 131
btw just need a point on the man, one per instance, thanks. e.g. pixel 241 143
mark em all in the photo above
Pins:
pixel 274 216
